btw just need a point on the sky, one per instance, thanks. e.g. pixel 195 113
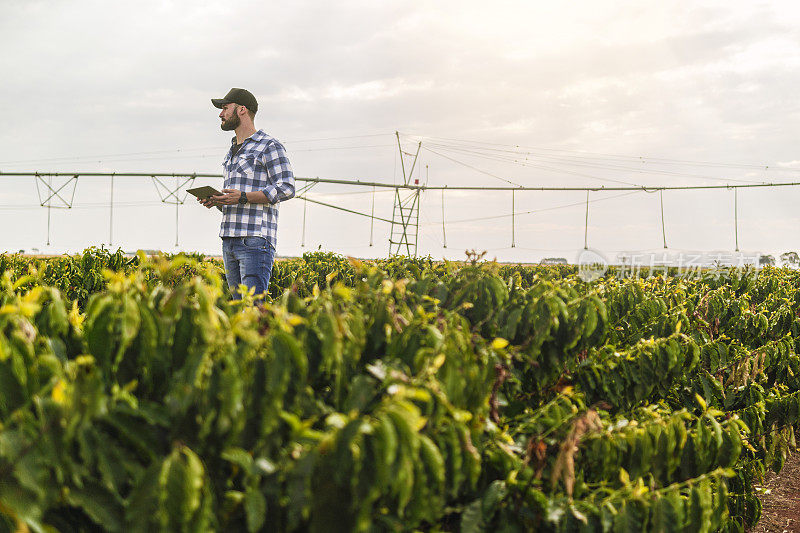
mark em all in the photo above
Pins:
pixel 589 93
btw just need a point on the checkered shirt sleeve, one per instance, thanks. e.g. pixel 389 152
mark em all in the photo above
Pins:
pixel 260 165
pixel 280 182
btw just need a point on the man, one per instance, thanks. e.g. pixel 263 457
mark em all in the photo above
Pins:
pixel 258 177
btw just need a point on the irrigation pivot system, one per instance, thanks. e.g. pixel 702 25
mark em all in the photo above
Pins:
pixel 56 190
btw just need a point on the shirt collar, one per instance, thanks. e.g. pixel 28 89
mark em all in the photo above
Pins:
pixel 257 136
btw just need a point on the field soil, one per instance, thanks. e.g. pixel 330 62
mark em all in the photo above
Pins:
pixel 780 497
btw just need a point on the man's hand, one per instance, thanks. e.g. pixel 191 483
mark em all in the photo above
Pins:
pixel 231 197
pixel 207 202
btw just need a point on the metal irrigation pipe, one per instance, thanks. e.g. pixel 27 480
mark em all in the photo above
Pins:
pixel 419 187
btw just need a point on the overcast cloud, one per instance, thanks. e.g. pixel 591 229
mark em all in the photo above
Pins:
pixel 125 87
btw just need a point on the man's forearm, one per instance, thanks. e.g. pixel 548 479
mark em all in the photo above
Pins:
pixel 280 192
pixel 232 196
pixel 257 197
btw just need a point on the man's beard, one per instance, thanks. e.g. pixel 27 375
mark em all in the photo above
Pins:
pixel 232 123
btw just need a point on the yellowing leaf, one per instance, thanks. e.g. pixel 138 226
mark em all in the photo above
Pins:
pixel 499 343
pixel 438 361
pixel 640 489
pixel 624 477
pixel 57 393
pixel 342 291
pixel 700 401
pixel 462 416
pixel 75 317
pixel 386 286
pixel 22 281
pixel 82 360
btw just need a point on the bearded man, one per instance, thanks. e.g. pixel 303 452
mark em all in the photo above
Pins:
pixel 258 177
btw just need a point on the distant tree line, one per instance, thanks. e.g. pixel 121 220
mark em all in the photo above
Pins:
pixel 790 259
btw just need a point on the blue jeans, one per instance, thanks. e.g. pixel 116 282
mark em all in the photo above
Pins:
pixel 248 261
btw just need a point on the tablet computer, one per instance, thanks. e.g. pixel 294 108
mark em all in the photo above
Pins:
pixel 203 192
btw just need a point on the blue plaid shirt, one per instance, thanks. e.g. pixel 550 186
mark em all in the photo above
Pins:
pixel 259 165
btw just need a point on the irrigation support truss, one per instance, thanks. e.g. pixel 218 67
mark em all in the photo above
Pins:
pixel 50 192
pixel 405 212
pixel 405 218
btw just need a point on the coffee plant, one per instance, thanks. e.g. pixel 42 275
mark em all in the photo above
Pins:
pixel 390 395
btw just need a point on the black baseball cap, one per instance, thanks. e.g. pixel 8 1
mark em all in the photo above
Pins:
pixel 237 96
